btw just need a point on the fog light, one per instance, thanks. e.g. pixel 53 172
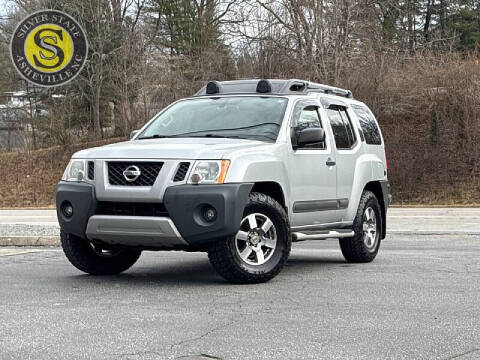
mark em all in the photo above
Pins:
pixel 210 214
pixel 67 209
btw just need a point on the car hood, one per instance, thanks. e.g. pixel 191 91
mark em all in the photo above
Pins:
pixel 169 148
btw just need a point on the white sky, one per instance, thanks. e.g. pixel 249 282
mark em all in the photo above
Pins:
pixel 3 7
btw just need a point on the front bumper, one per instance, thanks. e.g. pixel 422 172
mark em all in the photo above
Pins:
pixel 84 203
pixel 184 226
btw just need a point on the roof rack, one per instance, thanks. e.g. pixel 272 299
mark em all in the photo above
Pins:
pixel 276 87
pixel 326 89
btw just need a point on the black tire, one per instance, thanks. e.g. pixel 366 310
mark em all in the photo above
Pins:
pixel 224 257
pixel 82 255
pixel 354 249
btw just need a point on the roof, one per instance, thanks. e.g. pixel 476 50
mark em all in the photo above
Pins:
pixel 272 86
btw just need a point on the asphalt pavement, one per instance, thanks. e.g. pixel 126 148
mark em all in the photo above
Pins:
pixel 418 300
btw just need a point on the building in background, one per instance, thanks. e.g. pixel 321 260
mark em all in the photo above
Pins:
pixel 17 111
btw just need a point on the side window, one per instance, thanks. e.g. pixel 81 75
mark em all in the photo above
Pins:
pixel 352 139
pixel 342 127
pixel 369 125
pixel 307 117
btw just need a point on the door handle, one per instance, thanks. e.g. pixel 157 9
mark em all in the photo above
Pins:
pixel 331 162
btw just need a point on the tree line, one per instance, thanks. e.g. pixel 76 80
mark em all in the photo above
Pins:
pixel 414 62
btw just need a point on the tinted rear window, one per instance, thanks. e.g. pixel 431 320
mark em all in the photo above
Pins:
pixel 342 127
pixel 368 124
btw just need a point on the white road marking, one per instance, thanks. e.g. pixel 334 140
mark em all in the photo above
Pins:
pixel 432 232
pixel 432 216
pixel 42 223
pixel 14 251
pixel 27 216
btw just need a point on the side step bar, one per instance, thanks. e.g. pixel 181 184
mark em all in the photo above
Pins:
pixel 333 234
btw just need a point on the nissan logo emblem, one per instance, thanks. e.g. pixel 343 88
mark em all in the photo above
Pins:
pixel 132 173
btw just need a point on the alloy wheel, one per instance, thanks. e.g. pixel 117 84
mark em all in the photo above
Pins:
pixel 370 228
pixel 256 240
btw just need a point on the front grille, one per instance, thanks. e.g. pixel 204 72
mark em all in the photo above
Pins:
pixel 91 170
pixel 182 171
pixel 149 172
pixel 130 209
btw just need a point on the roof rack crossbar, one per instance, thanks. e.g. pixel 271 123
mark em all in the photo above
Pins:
pixel 279 87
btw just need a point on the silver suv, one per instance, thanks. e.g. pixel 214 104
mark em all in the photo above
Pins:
pixel 240 170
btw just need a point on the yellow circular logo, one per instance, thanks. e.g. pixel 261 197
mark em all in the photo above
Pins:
pixel 49 48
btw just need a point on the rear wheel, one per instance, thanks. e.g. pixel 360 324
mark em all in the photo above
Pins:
pixel 260 248
pixel 97 258
pixel 364 246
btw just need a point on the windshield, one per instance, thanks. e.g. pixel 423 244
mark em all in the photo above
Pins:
pixel 245 117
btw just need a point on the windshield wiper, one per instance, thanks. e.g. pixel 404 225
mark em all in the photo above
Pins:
pixel 244 137
pixel 229 129
pixel 218 136
pixel 208 133
pixel 156 136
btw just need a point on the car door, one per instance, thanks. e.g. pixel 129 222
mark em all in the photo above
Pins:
pixel 347 150
pixel 313 178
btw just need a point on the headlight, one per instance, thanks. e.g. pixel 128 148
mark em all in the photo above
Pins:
pixel 75 171
pixel 209 172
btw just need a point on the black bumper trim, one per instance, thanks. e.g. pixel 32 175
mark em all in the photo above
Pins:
pixel 82 198
pixel 185 204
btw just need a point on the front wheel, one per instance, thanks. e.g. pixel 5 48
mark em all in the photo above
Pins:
pixel 260 248
pixel 96 258
pixel 364 246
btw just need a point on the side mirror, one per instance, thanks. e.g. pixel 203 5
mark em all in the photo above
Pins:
pixel 133 133
pixel 310 136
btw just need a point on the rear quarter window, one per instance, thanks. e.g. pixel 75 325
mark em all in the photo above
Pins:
pixel 368 124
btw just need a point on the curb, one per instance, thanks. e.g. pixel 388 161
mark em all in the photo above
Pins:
pixel 29 241
pixel 433 232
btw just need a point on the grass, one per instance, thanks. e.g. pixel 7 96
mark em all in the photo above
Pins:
pixel 29 180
